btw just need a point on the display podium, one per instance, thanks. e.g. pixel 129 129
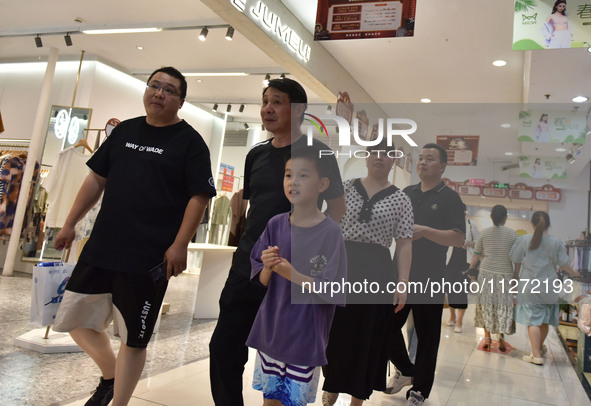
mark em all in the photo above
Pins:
pixel 215 265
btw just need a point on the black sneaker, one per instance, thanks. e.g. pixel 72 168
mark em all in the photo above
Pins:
pixel 103 393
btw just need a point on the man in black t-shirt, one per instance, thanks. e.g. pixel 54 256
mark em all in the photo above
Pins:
pixel 155 172
pixel 439 224
pixel 263 186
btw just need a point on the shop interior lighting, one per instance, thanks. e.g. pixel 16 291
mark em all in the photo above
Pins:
pixel 122 31
pixel 580 99
pixel 560 149
pixel 499 63
pixel 215 107
pixel 229 108
pixel 266 81
pixel 589 49
pixel 570 158
pixel 38 41
pixel 68 39
pixel 505 125
pixel 509 153
pixel 282 76
pixel 245 126
pixel 241 108
pixel 230 33
pixel 328 109
pixel 425 100
pixel 140 48
pixel 203 33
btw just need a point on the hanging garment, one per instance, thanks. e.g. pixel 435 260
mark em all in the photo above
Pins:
pixel 11 174
pixel 62 185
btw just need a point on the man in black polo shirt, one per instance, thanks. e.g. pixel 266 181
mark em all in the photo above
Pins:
pixel 263 186
pixel 439 223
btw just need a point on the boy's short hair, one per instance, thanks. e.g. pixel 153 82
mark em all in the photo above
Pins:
pixel 311 154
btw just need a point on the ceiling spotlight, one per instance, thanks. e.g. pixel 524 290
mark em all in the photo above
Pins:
pixel 245 126
pixel 282 76
pixel 38 41
pixel 328 109
pixel 139 48
pixel 580 99
pixel 499 62
pixel 203 34
pixel 230 33
pixel 560 149
pixel 241 108
pixel 229 108
pixel 509 153
pixel 266 81
pixel 215 107
pixel 505 125
pixel 68 39
pixel 425 100
pixel 570 158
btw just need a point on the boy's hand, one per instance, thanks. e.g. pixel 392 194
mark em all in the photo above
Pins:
pixel 270 257
pixel 283 268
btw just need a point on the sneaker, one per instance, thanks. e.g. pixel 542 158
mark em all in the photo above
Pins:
pixel 534 360
pixel 103 394
pixel 396 382
pixel 415 398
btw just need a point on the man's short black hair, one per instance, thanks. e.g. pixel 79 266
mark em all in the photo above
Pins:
pixel 169 70
pixel 442 151
pixel 293 89
pixel 311 154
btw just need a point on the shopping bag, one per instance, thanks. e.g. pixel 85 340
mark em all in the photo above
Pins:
pixel 47 292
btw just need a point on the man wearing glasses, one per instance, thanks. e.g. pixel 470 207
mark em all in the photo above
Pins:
pixel 155 172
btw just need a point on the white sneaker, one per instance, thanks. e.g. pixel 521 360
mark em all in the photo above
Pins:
pixel 396 382
pixel 415 398
pixel 534 360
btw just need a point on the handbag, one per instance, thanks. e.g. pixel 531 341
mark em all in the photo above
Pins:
pixel 47 291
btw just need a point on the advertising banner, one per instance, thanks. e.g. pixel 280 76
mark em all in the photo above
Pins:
pixel 358 19
pixel 462 150
pixel 542 167
pixel 551 24
pixel 552 126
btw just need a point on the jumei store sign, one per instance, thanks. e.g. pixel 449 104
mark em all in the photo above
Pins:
pixel 264 16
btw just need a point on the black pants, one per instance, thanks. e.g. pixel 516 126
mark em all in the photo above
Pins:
pixel 228 353
pixel 427 319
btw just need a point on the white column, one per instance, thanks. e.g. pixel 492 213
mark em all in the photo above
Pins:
pixel 36 140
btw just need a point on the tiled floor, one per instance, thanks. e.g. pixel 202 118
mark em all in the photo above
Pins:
pixel 465 376
pixel 177 369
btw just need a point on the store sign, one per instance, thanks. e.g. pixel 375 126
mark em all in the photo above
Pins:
pixel 521 191
pixel 462 150
pixel 493 190
pixel 548 193
pixel 478 182
pixel 264 16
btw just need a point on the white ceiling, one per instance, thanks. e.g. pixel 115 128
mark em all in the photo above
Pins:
pixel 448 60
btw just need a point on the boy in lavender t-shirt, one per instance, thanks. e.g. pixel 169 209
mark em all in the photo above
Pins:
pixel 296 254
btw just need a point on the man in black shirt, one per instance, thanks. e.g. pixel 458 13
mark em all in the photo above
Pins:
pixel 155 172
pixel 439 223
pixel 263 186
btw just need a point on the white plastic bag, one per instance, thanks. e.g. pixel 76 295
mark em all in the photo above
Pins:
pixel 49 284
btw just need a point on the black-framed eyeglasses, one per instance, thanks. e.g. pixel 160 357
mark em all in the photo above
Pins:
pixel 167 90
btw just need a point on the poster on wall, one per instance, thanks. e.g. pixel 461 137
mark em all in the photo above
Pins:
pixel 552 126
pixel 551 24
pixel 542 167
pixel 462 150
pixel 361 19
pixel 227 172
pixel 345 107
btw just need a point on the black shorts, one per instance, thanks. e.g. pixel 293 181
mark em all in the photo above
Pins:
pixel 95 296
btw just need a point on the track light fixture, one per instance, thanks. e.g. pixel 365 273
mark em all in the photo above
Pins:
pixel 203 34
pixel 241 108
pixel 230 33
pixel 215 107
pixel 570 158
pixel 229 108
pixel 38 41
pixel 246 126
pixel 266 81
pixel 282 76
pixel 68 39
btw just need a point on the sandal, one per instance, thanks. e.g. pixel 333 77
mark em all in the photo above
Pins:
pixel 329 398
pixel 487 344
pixel 502 346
